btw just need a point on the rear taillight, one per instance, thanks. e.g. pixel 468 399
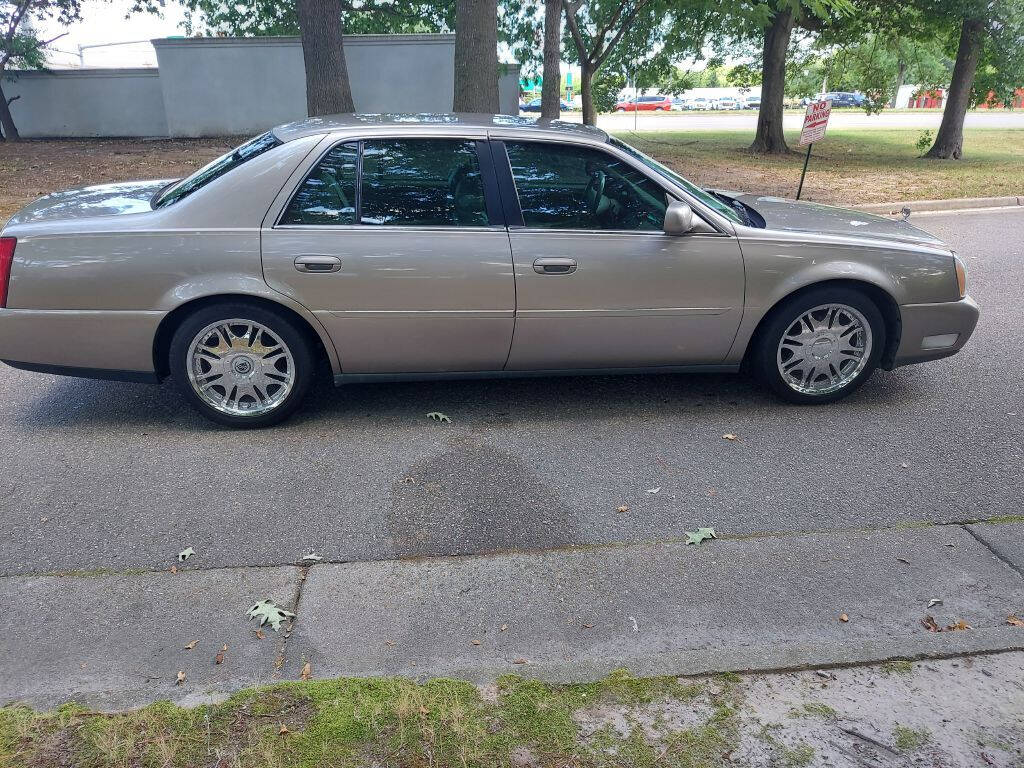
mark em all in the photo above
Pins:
pixel 6 259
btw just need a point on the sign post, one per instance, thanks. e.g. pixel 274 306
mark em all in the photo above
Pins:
pixel 815 123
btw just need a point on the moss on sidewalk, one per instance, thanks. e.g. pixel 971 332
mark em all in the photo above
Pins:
pixel 395 722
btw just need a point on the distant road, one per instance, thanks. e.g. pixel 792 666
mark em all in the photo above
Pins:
pixel 747 120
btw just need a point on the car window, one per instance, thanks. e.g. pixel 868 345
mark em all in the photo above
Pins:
pixel 328 195
pixel 216 169
pixel 570 187
pixel 421 182
pixel 711 202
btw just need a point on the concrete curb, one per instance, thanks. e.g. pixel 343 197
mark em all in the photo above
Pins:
pixel 954 204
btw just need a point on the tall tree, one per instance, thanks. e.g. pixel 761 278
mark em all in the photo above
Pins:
pixel 476 56
pixel 21 48
pixel 989 61
pixel 551 93
pixel 327 86
pixel 638 37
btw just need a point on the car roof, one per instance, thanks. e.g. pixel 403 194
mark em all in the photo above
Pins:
pixel 426 121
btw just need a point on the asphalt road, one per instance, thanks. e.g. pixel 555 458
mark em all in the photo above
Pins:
pixel 747 120
pixel 98 475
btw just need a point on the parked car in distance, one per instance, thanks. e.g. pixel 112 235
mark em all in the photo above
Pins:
pixel 534 106
pixel 645 104
pixel 752 102
pixel 398 247
pixel 701 103
pixel 729 103
pixel 678 104
pixel 838 99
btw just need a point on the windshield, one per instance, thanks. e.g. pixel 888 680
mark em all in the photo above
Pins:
pixel 216 169
pixel 711 202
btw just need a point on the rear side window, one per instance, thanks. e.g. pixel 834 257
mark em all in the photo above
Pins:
pixel 393 182
pixel 328 195
pixel 422 182
pixel 216 169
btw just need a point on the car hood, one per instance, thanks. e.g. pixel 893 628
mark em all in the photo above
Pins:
pixel 99 200
pixel 794 216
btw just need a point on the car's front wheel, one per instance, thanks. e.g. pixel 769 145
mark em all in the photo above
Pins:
pixel 820 346
pixel 241 365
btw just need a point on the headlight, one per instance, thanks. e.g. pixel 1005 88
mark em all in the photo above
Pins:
pixel 961 275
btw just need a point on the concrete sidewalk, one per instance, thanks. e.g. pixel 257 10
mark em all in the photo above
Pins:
pixel 115 640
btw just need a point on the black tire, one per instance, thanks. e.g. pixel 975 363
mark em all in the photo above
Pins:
pixel 765 354
pixel 297 342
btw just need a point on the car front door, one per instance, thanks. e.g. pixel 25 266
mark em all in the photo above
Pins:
pixel 399 247
pixel 598 282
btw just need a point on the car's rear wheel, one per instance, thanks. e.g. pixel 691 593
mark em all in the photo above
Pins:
pixel 820 346
pixel 241 365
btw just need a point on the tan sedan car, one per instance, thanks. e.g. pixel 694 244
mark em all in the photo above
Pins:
pixel 426 246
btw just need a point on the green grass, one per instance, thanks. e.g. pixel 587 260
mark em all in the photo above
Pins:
pixel 898 667
pixel 384 721
pixel 849 166
pixel 908 739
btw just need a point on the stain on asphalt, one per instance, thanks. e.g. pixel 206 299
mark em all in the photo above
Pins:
pixel 472 498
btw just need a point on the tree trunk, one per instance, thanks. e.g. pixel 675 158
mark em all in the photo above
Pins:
pixel 550 97
pixel 9 129
pixel 949 142
pixel 476 56
pixel 769 138
pixel 901 76
pixel 587 94
pixel 328 90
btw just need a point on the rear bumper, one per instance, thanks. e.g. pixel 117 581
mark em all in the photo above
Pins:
pixel 934 331
pixel 80 342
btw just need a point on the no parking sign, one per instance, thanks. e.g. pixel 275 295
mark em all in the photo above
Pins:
pixel 815 123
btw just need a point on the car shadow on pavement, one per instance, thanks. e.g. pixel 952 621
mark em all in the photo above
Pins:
pixel 69 402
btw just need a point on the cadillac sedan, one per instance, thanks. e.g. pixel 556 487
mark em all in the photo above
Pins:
pixel 429 246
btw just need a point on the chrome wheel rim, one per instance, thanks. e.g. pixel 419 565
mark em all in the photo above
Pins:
pixel 824 349
pixel 240 367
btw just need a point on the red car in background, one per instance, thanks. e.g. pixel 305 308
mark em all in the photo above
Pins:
pixel 645 104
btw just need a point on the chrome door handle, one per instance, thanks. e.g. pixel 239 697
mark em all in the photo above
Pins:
pixel 317 263
pixel 554 266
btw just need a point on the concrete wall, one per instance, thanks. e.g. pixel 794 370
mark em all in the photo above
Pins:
pixel 237 87
pixel 227 86
pixel 88 102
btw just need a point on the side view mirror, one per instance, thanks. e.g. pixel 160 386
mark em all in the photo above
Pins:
pixel 678 218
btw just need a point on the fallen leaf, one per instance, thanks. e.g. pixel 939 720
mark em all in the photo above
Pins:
pixel 284 730
pixel 958 626
pixel 307 671
pixel 588 626
pixel 174 569
pixel 185 554
pixel 1013 621
pixel 696 537
pixel 269 613
pixel 181 677
pixel 520 661
pixel 934 601
pixel 904 465
pixel 259 634
pixel 903 560
pixel 654 490
pixel 504 627
pixel 191 645
pixel 928 622
pixel 476 642
pixel 219 658
pixel 844 617
pixel 623 508
pixel 438 416
pixel 312 556
pixel 729 436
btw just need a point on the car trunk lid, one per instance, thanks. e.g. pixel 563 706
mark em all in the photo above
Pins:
pixel 87 202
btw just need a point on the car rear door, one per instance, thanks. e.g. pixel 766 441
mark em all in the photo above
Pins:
pixel 398 245
pixel 599 284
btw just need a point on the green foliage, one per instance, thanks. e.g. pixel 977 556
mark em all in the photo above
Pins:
pixel 20 47
pixel 605 90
